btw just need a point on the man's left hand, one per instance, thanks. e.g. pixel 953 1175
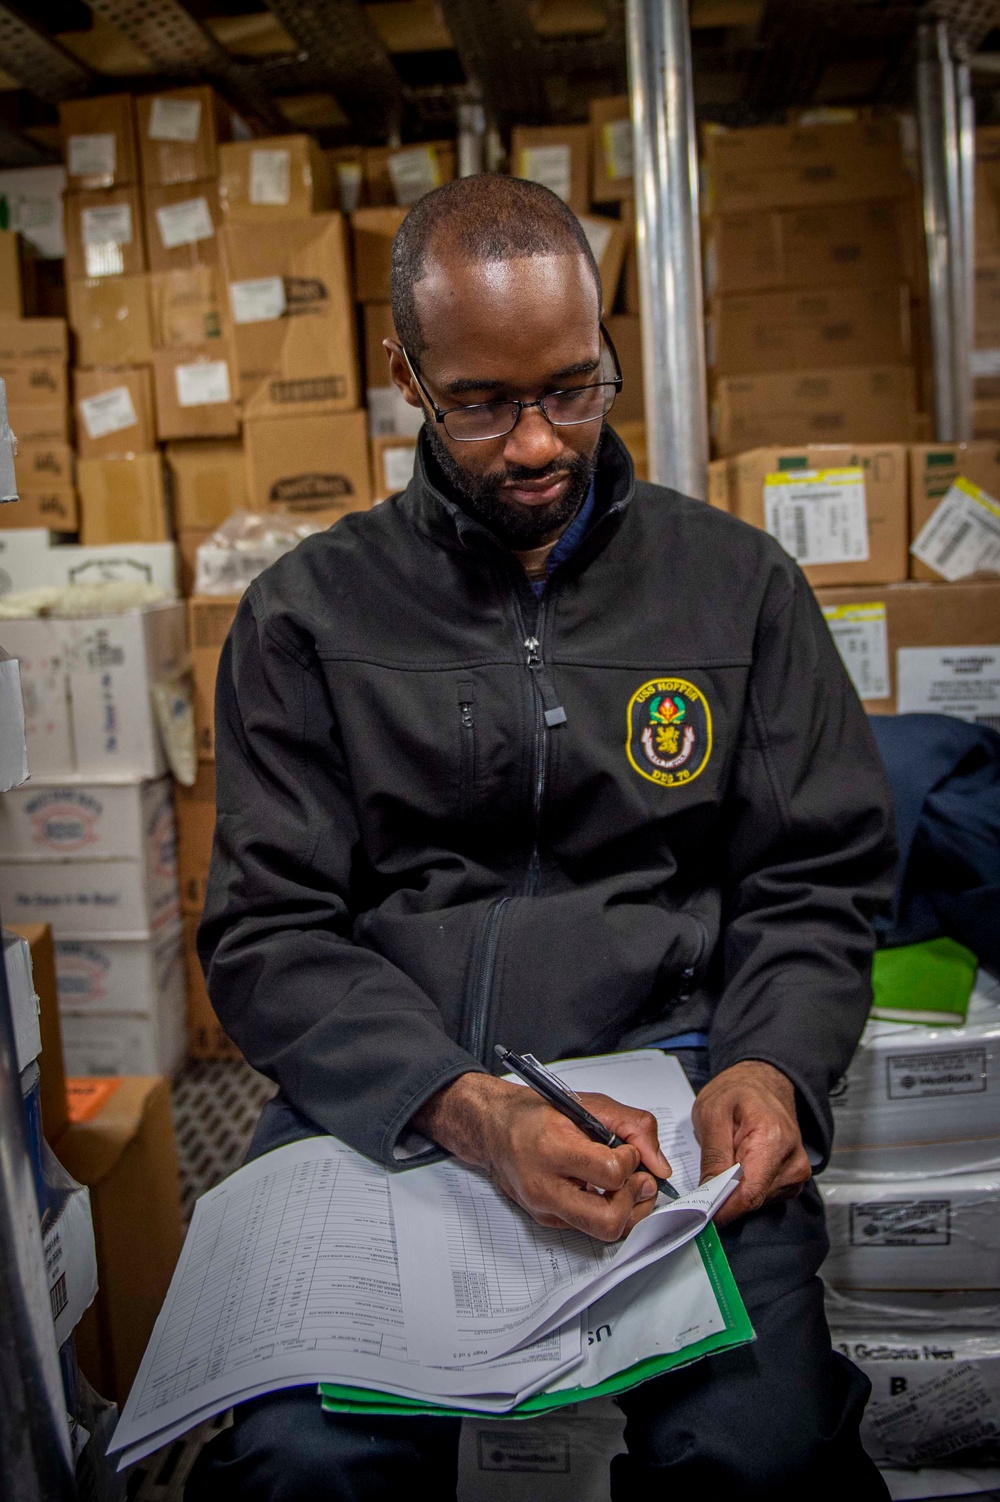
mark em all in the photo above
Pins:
pixel 747 1115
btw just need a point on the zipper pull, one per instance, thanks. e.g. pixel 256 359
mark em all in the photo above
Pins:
pixel 553 710
pixel 465 710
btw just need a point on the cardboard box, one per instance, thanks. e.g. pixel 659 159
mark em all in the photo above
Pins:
pixel 125 1153
pixel 630 271
pixel 562 1456
pixel 41 954
pixel 934 467
pixel 57 509
pixel 911 1233
pixel 37 381
pixel 209 620
pixel 719 490
pixel 84 820
pixel 33 339
pixel 104 235
pixel 850 245
pixel 931 625
pixel 70 1255
pixel 87 689
pixel 117 898
pixel 558 156
pixel 880 503
pixel 402 175
pixel 626 335
pixel 34 206
pixel 115 1043
pixel 277 178
pixel 987 210
pixel 372 234
pixel 392 465
pixel 110 317
pixel 346 165
pixel 196 392
pixel 209 482
pixel 764 332
pixel 11 293
pixel 13 747
pixel 784 166
pixel 293 320
pixel 608 239
pixel 206 1038
pixel 24 1007
pixel 987 316
pixel 986 420
pixel 98 142
pixel 123 500
pixel 43 461
pixel 611 149
pixel 189 540
pixel 389 413
pixel 114 411
pixel 195 810
pixel 870 404
pixel 138 977
pixel 29 560
pixel 39 420
pixel 187 306
pixel 633 435
pixel 309 465
pixel 182 225
pixel 179 133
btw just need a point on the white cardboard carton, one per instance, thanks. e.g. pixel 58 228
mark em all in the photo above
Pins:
pixel 31 559
pixel 931 1396
pixel 919 1310
pixel 560 1457
pixel 88 689
pixel 942 1233
pixel 23 1000
pixel 127 976
pixel 126 899
pixel 13 744
pixel 77 819
pixel 112 1043
pixel 24 554
pixel 70 1261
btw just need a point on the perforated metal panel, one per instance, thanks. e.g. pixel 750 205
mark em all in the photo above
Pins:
pixel 216 1104
pixel 38 63
pixel 339 40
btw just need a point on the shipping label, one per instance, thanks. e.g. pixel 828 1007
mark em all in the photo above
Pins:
pixel 859 633
pixel 184 223
pixel 414 172
pixel 259 300
pixel 108 412
pixel 985 362
pixel 901 1223
pixel 91 156
pixel 174 119
pixel 397 466
pixel 960 681
pixel 202 384
pixel 818 516
pixel 349 177
pixel 110 224
pixel 917 1076
pixel 551 166
pixel 271 177
pixel 923 1421
pixel 616 137
pixel 962 534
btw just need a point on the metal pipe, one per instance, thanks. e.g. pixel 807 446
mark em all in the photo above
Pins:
pixel 937 122
pixel 471 135
pixel 668 242
pixel 966 287
pixel 35 1463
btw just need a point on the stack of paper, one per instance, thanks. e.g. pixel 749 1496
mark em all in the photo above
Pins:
pixel 429 1288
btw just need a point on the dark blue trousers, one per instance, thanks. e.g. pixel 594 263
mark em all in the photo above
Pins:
pixel 772 1421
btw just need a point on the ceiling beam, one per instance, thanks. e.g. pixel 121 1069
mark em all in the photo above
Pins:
pixel 37 62
pixel 343 46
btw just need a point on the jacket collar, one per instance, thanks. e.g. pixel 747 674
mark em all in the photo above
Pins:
pixel 433 510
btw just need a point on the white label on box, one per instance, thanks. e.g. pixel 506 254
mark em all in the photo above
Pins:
pixel 551 166
pixel 184 223
pixel 270 177
pixel 617 139
pixel 390 414
pixel 818 515
pixel 349 185
pixel 108 412
pixel 414 173
pixel 960 681
pixel 985 362
pixel 174 119
pixel 859 633
pixel 91 156
pixel 598 233
pixel 962 534
pixel 915 1076
pixel 259 300
pixel 924 1420
pixel 397 466
pixel 203 384
pixel 901 1223
pixel 109 225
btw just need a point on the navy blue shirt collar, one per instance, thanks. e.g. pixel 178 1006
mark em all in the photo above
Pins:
pixel 569 541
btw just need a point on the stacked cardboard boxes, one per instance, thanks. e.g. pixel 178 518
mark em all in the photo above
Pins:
pixel 809 268
pixel 34 353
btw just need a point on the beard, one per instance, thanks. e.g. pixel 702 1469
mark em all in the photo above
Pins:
pixel 517 526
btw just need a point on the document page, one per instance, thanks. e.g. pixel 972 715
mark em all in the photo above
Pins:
pixel 289 1275
pixel 480 1278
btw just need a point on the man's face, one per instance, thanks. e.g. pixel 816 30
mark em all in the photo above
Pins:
pixel 505 330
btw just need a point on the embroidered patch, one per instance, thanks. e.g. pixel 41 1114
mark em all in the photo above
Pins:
pixel 669 731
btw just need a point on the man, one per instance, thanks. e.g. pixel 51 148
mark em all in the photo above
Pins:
pixel 534 753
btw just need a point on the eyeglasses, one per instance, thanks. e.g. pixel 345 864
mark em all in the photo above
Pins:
pixel 563 409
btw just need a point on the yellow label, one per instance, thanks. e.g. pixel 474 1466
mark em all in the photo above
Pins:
pixel 873 612
pixel 853 474
pixel 975 494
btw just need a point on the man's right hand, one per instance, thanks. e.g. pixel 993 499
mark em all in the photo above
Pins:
pixel 545 1163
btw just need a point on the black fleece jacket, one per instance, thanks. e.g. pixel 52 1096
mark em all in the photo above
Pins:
pixel 451 814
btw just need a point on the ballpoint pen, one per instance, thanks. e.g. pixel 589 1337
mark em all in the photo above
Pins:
pixel 559 1095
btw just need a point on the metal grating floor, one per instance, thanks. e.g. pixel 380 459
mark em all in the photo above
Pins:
pixel 216 1104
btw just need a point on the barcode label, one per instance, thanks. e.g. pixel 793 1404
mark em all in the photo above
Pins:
pixel 960 681
pixel 962 534
pixel 859 633
pixel 58 1296
pixel 818 516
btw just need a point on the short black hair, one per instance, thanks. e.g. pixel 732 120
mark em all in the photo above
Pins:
pixel 484 218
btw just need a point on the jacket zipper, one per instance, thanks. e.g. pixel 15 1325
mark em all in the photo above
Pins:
pixel 548 713
pixel 481 996
pixel 689 972
pixel 467 732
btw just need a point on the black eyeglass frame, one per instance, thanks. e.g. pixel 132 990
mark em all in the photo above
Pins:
pixel 440 413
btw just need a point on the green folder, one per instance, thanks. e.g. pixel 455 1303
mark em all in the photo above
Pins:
pixel 929 983
pixel 738 1331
